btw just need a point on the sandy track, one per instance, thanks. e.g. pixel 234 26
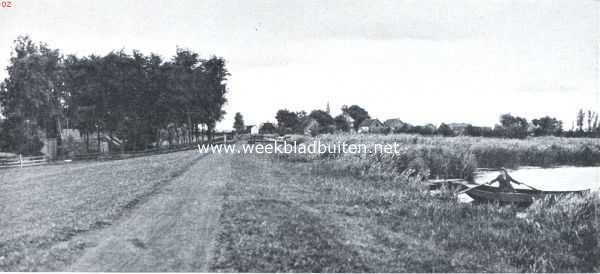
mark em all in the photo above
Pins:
pixel 172 230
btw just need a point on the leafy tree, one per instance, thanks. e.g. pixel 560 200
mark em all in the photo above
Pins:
pixel 238 123
pixel 590 118
pixel 513 126
pixel 341 123
pixel 83 100
pixel 33 91
pixel 18 136
pixel 357 113
pixel 547 126
pixel 322 117
pixel 475 131
pixel 132 97
pixel 32 88
pixel 445 130
pixel 579 121
pixel 213 75
pixel 287 120
pixel 428 129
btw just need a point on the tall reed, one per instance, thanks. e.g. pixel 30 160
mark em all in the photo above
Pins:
pixel 451 157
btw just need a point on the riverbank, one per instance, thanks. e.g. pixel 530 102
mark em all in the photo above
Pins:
pixel 283 216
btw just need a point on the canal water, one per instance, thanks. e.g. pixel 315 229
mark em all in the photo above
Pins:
pixel 557 179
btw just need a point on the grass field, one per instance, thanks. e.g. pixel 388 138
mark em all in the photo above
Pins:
pixel 47 205
pixel 297 216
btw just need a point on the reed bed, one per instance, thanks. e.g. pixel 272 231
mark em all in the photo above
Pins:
pixel 450 157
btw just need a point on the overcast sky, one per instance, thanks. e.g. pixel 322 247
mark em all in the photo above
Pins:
pixel 420 61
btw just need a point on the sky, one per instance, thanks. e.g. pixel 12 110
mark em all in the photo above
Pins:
pixel 422 61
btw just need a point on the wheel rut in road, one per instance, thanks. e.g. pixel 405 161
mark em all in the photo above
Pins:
pixel 171 228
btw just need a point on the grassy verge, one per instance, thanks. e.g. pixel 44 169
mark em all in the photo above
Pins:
pixel 452 157
pixel 296 216
pixel 44 206
pixel 266 228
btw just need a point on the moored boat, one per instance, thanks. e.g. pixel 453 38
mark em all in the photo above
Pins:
pixel 485 193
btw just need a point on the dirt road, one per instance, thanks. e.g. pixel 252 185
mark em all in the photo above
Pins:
pixel 171 230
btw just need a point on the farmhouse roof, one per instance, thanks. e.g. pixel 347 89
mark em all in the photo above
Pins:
pixel 394 123
pixel 371 123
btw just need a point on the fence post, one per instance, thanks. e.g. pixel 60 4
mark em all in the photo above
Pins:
pixel 21 160
pixel 225 139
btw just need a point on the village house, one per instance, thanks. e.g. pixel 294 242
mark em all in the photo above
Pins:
pixel 371 126
pixel 395 125
pixel 251 129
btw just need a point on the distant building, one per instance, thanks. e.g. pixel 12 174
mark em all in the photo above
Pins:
pixel 267 128
pixel 395 125
pixel 371 126
pixel 71 134
pixel 251 129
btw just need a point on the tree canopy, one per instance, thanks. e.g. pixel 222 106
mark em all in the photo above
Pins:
pixel 129 96
pixel 547 126
pixel 288 120
pixel 322 117
pixel 357 113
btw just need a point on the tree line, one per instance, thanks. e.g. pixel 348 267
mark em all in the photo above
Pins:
pixel 509 126
pixel 140 100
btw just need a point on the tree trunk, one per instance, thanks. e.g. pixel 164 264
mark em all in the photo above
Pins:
pixel 87 142
pixel 189 131
pixel 58 131
pixel 98 138
pixel 158 138
pixel 209 130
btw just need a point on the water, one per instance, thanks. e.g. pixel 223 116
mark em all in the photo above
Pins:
pixel 551 179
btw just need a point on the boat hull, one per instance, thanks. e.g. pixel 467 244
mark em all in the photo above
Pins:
pixel 486 193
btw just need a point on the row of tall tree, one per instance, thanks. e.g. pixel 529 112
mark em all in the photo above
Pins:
pixel 138 99
pixel 586 124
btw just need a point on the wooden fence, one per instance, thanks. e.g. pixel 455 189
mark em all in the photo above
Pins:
pixel 217 140
pixel 223 139
pixel 118 155
pixel 261 139
pixel 22 162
